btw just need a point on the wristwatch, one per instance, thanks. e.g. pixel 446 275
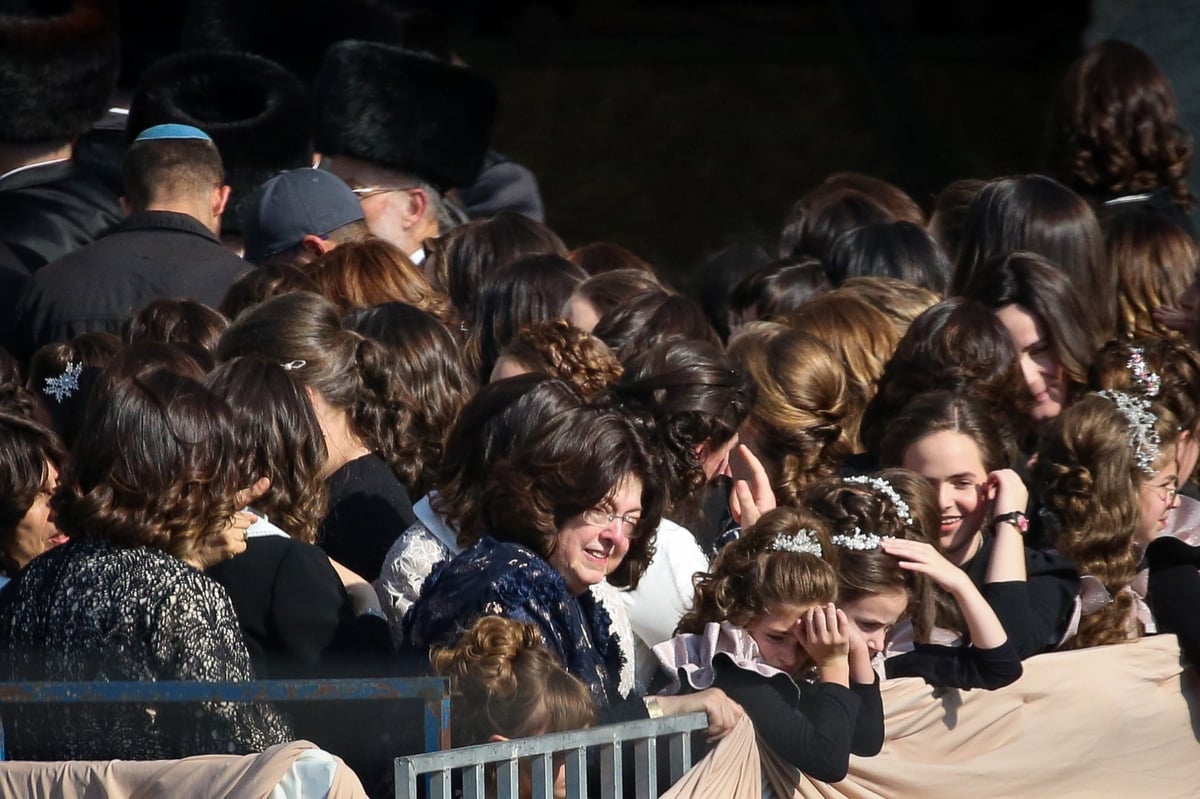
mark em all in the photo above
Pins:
pixel 1016 518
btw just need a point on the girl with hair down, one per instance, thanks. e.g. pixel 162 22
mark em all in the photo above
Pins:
pixel 1107 476
pixel 882 528
pixel 506 684
pixel 764 629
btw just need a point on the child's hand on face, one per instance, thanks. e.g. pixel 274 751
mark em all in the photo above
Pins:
pixel 1008 491
pixel 824 632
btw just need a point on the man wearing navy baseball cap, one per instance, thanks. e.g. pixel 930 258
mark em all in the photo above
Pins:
pixel 168 245
pixel 299 215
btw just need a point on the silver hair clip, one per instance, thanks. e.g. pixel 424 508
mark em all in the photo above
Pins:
pixel 804 542
pixel 858 540
pixel 66 384
pixel 889 491
pixel 296 364
pixel 1143 438
pixel 1143 375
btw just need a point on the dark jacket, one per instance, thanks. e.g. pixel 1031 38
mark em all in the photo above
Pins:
pixel 151 255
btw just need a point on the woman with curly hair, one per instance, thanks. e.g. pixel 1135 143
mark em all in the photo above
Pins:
pixel 562 350
pixel 360 274
pixel 150 500
pixel 1106 474
pixel 803 406
pixel 1115 135
pixel 764 629
pixel 1155 259
pixel 31 458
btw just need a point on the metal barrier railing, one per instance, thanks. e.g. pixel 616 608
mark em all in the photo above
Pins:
pixel 506 756
pixel 434 691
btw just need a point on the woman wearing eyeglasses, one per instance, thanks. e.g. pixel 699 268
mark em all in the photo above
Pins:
pixel 566 508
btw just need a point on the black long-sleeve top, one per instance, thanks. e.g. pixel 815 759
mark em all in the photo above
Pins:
pixel 815 727
pixel 1174 591
pixel 958 666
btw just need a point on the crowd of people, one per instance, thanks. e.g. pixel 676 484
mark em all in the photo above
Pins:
pixel 367 415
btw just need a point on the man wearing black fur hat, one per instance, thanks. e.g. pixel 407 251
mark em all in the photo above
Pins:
pixel 401 129
pixel 57 71
pixel 168 246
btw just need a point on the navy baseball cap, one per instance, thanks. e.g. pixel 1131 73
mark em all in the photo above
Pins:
pixel 295 204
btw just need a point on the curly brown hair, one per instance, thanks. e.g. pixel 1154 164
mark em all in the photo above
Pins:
pixel 752 575
pixel 359 274
pixel 1155 260
pixel 156 464
pixel 560 349
pixel 1115 127
pixel 1088 480
pixel 505 682
pixel 804 403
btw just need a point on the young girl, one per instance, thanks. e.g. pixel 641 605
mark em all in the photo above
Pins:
pixel 881 527
pixel 952 441
pixel 1107 475
pixel 764 629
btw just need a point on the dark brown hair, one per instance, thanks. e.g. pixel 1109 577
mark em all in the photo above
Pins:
pixel 902 250
pixel 263 283
pixel 178 321
pixel 900 301
pixel 778 289
pixel 360 274
pixel 606 256
pixel 608 290
pixel 559 349
pixel 1155 260
pixel 653 318
pixel 27 449
pixel 90 353
pixel 158 168
pixel 945 411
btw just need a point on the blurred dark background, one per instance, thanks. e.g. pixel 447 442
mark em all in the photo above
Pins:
pixel 674 127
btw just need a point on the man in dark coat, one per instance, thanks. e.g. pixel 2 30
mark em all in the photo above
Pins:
pixel 167 247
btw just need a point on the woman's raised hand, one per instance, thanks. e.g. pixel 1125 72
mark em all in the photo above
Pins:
pixel 919 556
pixel 752 495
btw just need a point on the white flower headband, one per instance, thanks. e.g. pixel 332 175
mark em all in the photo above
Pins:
pixel 1143 375
pixel 858 540
pixel 804 542
pixel 1143 438
pixel 66 384
pixel 888 490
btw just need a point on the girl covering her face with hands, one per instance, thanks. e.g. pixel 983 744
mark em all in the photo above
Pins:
pixel 765 630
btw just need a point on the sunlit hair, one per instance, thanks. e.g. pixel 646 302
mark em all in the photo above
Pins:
pixel 1088 479
pixel 955 345
pixel 945 411
pixel 559 349
pixel 360 274
pixel 846 507
pixel 688 395
pixel 1115 127
pixel 861 335
pixel 1155 260
pixel 804 403
pixel 178 321
pixel 156 464
pixel 459 260
pixel 607 256
pixel 900 301
pixel 263 283
pixel 778 289
pixel 529 290
pixel 423 358
pixel 1175 363
pixel 753 575
pixel 1047 293
pixel 653 318
pixel 504 681
pixel 1036 214
pixel 901 250
pixel 27 449
pixel 279 431
pixel 491 424
pixel 950 213
pixel 844 201
pixel 575 463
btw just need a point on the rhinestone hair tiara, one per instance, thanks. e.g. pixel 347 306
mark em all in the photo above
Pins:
pixel 888 490
pixel 804 542
pixel 1146 378
pixel 1143 438
pixel 857 540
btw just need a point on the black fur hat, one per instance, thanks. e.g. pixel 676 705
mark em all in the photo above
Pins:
pixel 255 110
pixel 404 111
pixel 294 33
pixel 58 67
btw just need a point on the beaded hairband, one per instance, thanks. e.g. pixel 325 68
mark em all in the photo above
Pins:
pixel 888 490
pixel 804 542
pixel 1146 378
pixel 858 540
pixel 1143 438
pixel 66 384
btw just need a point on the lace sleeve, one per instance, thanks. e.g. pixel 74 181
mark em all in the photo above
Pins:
pixel 408 563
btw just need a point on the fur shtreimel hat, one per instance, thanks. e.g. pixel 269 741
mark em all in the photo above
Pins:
pixel 256 26
pixel 255 110
pixel 404 111
pixel 58 67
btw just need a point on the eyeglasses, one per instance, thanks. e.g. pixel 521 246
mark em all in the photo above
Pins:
pixel 1171 489
pixel 363 192
pixel 599 517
